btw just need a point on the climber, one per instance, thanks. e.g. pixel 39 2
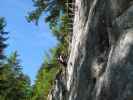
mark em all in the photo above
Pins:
pixel 61 59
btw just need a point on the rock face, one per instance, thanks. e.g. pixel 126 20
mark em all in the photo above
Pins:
pixel 100 65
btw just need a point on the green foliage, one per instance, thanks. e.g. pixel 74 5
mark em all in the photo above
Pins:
pixel 45 78
pixel 46 75
pixel 15 62
pixel 44 83
pixel 3 45
pixel 14 85
pixel 51 7
pixel 56 11
pixel 58 21
pixel 56 17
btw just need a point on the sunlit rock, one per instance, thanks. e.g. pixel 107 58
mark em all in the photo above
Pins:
pixel 100 65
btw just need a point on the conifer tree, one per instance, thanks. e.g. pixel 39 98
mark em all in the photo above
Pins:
pixel 3 39
pixel 15 63
pixel 14 84
pixel 5 70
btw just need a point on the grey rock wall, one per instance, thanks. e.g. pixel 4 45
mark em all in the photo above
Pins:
pixel 100 66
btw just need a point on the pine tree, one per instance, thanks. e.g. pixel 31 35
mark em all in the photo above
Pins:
pixel 3 45
pixel 4 69
pixel 14 85
pixel 20 88
pixel 15 63
pixel 53 8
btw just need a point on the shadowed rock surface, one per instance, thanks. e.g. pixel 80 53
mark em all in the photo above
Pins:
pixel 100 65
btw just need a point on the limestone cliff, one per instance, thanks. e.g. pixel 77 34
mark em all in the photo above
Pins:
pixel 100 65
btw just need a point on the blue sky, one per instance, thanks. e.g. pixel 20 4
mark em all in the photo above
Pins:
pixel 32 42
